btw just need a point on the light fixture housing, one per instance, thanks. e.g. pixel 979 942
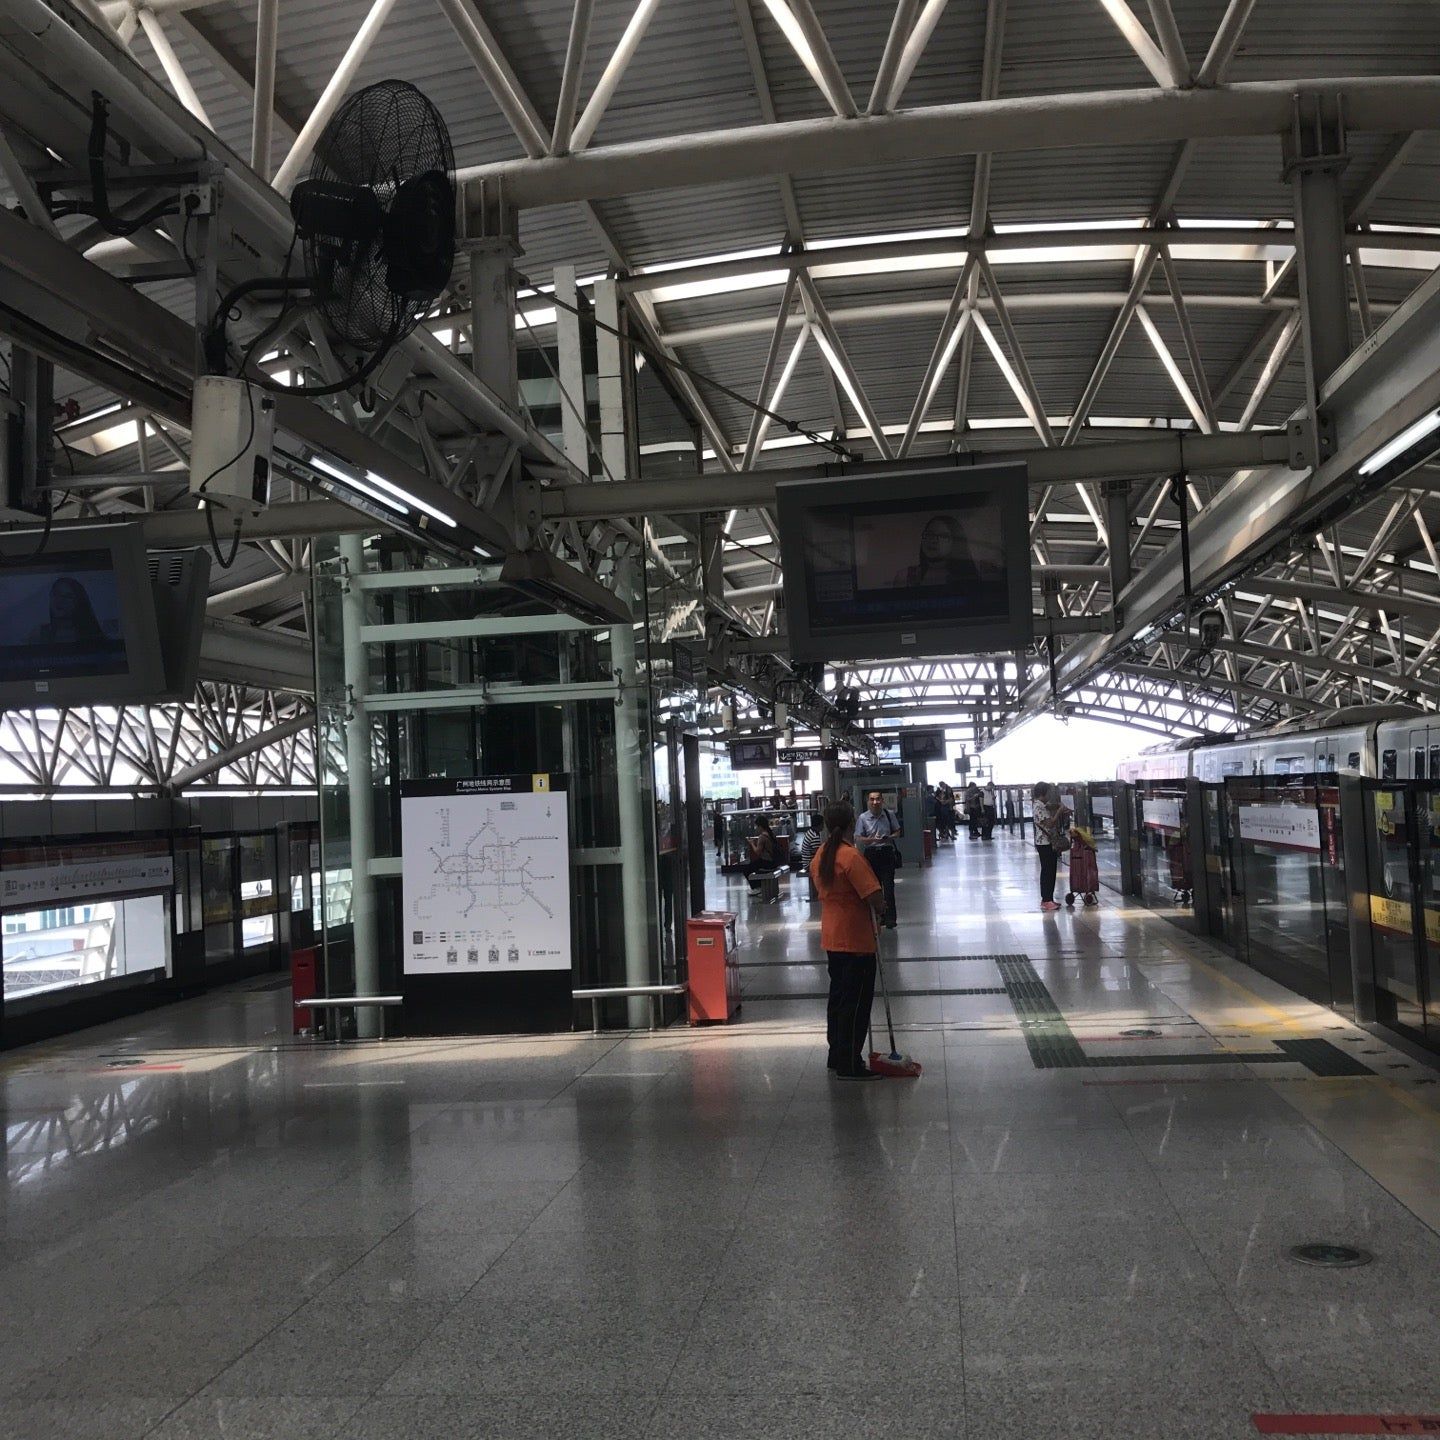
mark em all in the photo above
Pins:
pixel 1415 444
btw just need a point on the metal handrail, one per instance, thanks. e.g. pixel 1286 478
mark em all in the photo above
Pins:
pixel 596 994
pixel 320 1002
pixel 348 1002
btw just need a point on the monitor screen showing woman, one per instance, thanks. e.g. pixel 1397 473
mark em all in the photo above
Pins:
pixel 62 618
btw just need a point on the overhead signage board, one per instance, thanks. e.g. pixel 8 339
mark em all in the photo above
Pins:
pixel 486 875
pixel 34 877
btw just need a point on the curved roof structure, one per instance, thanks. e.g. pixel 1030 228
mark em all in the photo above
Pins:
pixel 921 230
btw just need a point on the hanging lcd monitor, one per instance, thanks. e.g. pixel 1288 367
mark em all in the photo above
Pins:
pixel 79 619
pixel 907 563
pixel 757 754
pixel 919 747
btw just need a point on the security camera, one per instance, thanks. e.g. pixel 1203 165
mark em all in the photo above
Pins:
pixel 1212 628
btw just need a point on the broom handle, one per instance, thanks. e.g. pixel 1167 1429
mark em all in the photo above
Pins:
pixel 884 988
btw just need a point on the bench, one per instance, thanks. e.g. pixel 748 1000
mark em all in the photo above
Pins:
pixel 767 883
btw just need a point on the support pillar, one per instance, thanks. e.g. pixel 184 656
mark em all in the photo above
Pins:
pixel 697 847
pixel 568 341
pixel 1314 158
pixel 632 754
pixel 611 386
pixel 492 245
pixel 361 783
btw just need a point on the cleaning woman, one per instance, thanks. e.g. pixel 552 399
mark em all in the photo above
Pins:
pixel 850 899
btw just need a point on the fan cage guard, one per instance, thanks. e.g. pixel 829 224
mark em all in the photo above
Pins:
pixel 384 136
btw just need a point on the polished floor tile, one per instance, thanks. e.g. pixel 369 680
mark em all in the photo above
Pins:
pixel 1076 1223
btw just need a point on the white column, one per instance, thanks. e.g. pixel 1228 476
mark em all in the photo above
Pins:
pixel 609 358
pixel 632 755
pixel 361 782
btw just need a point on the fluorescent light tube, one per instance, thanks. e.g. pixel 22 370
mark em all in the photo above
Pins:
pixel 1410 435
pixel 318 462
pixel 410 499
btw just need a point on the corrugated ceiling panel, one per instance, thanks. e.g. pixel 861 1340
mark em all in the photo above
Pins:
pixel 928 194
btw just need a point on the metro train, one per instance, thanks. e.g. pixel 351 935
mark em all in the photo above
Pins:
pixel 1388 742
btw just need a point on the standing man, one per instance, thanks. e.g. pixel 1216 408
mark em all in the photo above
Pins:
pixel 875 836
pixel 989 806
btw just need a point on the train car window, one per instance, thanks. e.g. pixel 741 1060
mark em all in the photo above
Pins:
pixel 1417 762
pixel 1435 762
pixel 1353 760
pixel 1232 767
pixel 1387 765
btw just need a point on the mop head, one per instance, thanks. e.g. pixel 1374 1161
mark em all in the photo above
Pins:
pixel 894 1066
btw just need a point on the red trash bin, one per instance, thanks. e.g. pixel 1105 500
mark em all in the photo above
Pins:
pixel 711 959
pixel 304 985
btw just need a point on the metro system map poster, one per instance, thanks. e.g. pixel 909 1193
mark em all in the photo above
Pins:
pixel 486 875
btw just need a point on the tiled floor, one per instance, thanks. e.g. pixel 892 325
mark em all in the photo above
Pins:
pixel 1060 1230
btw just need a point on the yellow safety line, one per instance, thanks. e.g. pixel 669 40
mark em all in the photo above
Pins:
pixel 1286 1021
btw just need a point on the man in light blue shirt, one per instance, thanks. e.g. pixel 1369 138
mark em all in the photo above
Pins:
pixel 876 832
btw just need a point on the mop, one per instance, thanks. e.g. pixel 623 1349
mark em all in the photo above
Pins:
pixel 893 1066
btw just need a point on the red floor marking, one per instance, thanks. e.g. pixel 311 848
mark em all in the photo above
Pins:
pixel 1347 1424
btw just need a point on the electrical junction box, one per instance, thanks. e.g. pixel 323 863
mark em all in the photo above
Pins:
pixel 232 431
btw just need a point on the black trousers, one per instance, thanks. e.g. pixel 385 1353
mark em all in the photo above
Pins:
pixel 847 1015
pixel 987 822
pixel 884 861
pixel 1049 862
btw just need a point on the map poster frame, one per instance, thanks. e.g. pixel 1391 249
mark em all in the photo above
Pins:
pixel 485 999
pixel 485 864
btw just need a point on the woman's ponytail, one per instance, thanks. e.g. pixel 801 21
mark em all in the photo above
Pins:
pixel 839 817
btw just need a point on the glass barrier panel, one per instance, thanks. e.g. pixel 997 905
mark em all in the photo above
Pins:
pixel 1392 909
pixel 65 946
pixel 1165 880
pixel 1285 915
pixel 1428 813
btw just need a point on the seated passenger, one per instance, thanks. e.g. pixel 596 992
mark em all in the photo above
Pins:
pixel 762 852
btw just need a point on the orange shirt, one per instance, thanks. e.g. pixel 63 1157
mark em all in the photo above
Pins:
pixel 845 917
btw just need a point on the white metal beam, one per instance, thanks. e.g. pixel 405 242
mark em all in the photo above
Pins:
pixel 1000 126
pixel 576 49
pixel 267 32
pixel 833 349
pixel 1171 43
pixel 1227 40
pixel 800 25
pixel 901 24
pixel 331 96
pixel 914 48
pixel 480 44
pixel 1138 39
pixel 180 82
pixel 612 74
pixel 1167 361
